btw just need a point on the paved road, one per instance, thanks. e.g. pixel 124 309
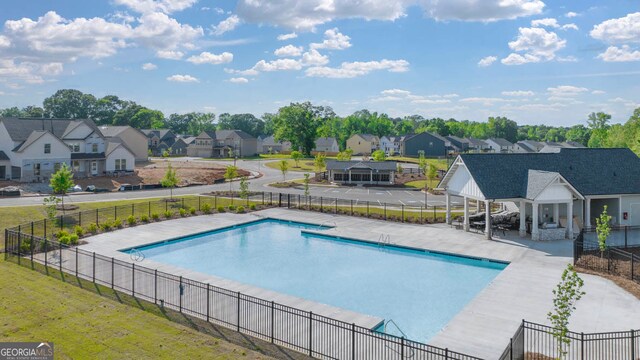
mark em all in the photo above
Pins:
pixel 388 195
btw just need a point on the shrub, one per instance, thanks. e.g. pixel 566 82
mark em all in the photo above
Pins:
pixel 106 226
pixel 25 247
pixel 240 209
pixel 144 218
pixel 92 228
pixel 117 223
pixel 131 220
pixel 206 208
pixel 183 212
pixel 231 207
pixel 62 233
pixel 252 207
pixel 155 216
pixel 65 240
pixel 73 239
pixel 220 209
pixel 168 214
pixel 79 230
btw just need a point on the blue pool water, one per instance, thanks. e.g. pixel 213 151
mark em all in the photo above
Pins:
pixel 420 291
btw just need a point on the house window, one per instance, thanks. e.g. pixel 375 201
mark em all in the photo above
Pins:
pixel 337 177
pixel 121 164
pixel 94 148
pixel 74 148
pixel 47 149
pixel 36 169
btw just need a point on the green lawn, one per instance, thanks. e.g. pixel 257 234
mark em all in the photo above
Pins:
pixel 419 184
pixel 304 165
pixel 441 164
pixel 83 325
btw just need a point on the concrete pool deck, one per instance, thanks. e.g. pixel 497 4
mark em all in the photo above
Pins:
pixel 482 328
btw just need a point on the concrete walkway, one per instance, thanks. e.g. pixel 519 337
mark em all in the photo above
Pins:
pixel 482 328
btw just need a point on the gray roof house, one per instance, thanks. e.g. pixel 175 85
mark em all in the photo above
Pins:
pixel 327 145
pixel 557 193
pixel 499 145
pixel 361 172
pixel 433 145
pixel 460 143
pixel 477 145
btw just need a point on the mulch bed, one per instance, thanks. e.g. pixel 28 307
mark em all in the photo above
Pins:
pixel 623 282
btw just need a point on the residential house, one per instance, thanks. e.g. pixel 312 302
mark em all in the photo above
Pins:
pixel 477 145
pixel 523 147
pixel 499 145
pixel 223 143
pixel 557 193
pixel 430 144
pixel 451 148
pixel 461 144
pixel 179 148
pixel 363 144
pixel 132 138
pixel 327 145
pixel 556 146
pixel 532 145
pixel 33 149
pixel 269 145
pixel 160 140
pixel 361 172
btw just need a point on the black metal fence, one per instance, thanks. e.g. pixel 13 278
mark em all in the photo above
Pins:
pixel 309 333
pixel 535 341
pixel 616 259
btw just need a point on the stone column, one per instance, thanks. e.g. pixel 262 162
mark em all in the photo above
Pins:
pixel 570 220
pixel 523 219
pixel 448 202
pixel 487 221
pixel 466 214
pixel 534 222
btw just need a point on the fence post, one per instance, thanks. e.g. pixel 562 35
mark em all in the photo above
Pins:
pixel 434 213
pixel 45 228
pixel 353 341
pixel 155 286
pixel 149 213
pixel 46 251
pixel 402 212
pixel 6 245
pixel 263 198
pixel 133 209
pixel 93 276
pixel 19 247
pixel 181 291
pixel 208 300
pixel 446 353
pixel 385 211
pixel 199 202
pixel 32 228
pixel 310 333
pixel 402 347
pixel 215 201
pixel 33 244
pixel 633 347
pixel 133 279
pixel 632 265
pixel 76 261
pixel 238 318
pixel 61 222
pixel 115 212
pixel 80 219
pixel 273 320
pixel 97 216
pixel 351 207
pixel 60 249
pixel 421 214
pixel 582 346
pixel 511 349
pixel 320 203
pixel 625 236
pixel 113 273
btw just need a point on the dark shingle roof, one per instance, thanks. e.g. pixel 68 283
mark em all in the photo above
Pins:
pixel 501 141
pixel 355 164
pixel 3 156
pixel 19 129
pixel 223 134
pixel 589 171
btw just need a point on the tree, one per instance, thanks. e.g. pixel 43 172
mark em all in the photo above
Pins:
pixel 245 122
pixel 147 119
pixel 61 181
pixel 422 162
pixel 33 111
pixel 69 103
pixel 320 161
pixel 244 188
pixel 378 155
pixel 306 185
pixel 170 179
pixel 51 206
pixel 603 229
pixel 230 173
pixel 345 155
pixel 106 108
pixel 283 165
pixel 566 295
pixel 598 124
pixel 432 173
pixel 299 122
pixel 296 156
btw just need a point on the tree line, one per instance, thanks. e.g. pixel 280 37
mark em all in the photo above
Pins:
pixel 303 123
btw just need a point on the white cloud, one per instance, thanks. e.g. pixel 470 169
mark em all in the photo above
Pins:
pixel 289 51
pixel 165 6
pixel 314 58
pixel 159 31
pixel 518 93
pixel 183 78
pixel 396 92
pixel 571 14
pixel 149 66
pixel 277 65
pixel 598 92
pixel 569 58
pixel 620 54
pixel 170 54
pixel 306 15
pixel 289 36
pixel 4 41
pixel 487 61
pixel 334 40
pixel 621 30
pixel 209 58
pixel 239 80
pixel 536 44
pixel 553 23
pixel 354 69
pixel 28 72
pixel 566 90
pixel 226 25
pixel 483 100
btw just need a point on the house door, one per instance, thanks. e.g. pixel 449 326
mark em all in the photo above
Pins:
pixel 94 168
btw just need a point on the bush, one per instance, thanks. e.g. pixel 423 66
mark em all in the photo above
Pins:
pixel 192 210
pixel 62 233
pixel 73 239
pixel 65 240
pixel 106 226
pixel 144 218
pixel 78 230
pixel 155 216
pixel 117 223
pixel 183 212
pixel 206 208
pixel 221 209
pixel 131 220
pixel 168 214
pixel 240 209
pixel 231 207
pixel 92 228
pixel 252 207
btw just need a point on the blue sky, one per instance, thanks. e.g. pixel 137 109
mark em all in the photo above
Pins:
pixel 534 61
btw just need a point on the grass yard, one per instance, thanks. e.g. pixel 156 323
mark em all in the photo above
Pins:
pixel 419 184
pixel 441 164
pixel 304 165
pixel 82 325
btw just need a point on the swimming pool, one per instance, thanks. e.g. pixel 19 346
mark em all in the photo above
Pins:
pixel 420 291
